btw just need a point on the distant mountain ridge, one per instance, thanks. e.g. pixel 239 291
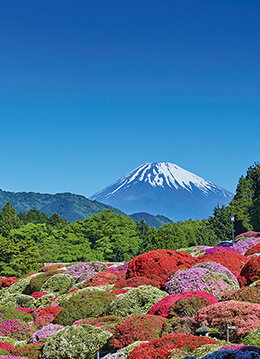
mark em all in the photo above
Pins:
pixel 166 189
pixel 69 206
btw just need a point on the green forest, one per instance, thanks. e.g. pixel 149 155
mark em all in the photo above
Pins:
pixel 27 240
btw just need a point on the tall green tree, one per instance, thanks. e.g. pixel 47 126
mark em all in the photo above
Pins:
pixel 8 219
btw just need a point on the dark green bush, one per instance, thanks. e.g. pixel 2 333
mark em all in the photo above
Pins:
pixel 7 313
pixel 38 281
pixel 187 307
pixel 84 305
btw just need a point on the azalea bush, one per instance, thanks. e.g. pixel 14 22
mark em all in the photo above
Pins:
pixel 137 301
pixel 187 307
pixel 8 281
pixel 241 347
pixel 124 352
pixel 159 264
pixel 253 250
pixel 11 313
pixel 51 267
pixel 16 329
pixel 200 279
pixel 228 354
pixel 136 282
pixel 161 347
pixel 37 282
pixel 163 307
pixel 85 270
pixel 246 316
pixel 58 284
pixel 46 316
pixel 45 332
pixel 179 325
pixel 100 279
pixel 233 261
pixel 138 327
pixel 250 272
pixel 243 245
pixel 252 338
pixel 217 249
pixel 245 294
pixel 37 295
pixel 247 235
pixel 31 351
pixel 84 305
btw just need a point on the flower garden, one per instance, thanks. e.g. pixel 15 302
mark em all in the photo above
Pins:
pixel 149 307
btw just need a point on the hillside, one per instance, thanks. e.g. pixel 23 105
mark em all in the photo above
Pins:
pixel 155 221
pixel 69 206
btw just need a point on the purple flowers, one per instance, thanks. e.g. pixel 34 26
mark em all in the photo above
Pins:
pixel 45 332
pixel 85 270
pixel 13 328
pixel 244 244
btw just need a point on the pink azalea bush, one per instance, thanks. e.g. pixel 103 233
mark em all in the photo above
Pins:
pixel 247 235
pixel 200 279
pixel 217 249
pixel 244 245
pixel 246 316
pixel 85 270
pixel 16 329
pixel 45 332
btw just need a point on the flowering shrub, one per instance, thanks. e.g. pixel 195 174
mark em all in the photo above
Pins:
pixel 247 235
pixel 30 350
pixel 85 270
pixel 109 323
pixel 187 307
pixel 245 244
pixel 135 328
pixel 136 282
pixel 217 267
pixel 51 267
pixel 137 301
pixel 250 272
pixel 163 307
pixel 101 278
pixel 253 250
pixel 45 332
pixel 84 305
pixel 37 295
pixel 8 281
pixel 200 279
pixel 21 287
pixel 158 264
pixel 25 301
pixel 233 261
pixel 11 357
pixel 14 313
pixel 45 301
pixel 16 329
pixel 120 268
pixel 32 312
pixel 179 325
pixel 77 341
pixel 246 316
pixel 37 282
pixel 205 349
pixel 6 346
pixel 217 249
pixel 161 347
pixel 245 294
pixel 58 284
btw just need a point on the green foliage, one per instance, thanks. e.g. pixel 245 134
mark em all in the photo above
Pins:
pixel 252 338
pixel 75 342
pixel 84 305
pixel 58 284
pixel 7 313
pixel 255 218
pixel 8 219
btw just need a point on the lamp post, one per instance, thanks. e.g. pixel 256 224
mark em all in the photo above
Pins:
pixel 232 221
pixel 203 330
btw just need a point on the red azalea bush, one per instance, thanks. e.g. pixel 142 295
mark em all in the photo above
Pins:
pixel 101 278
pixel 160 348
pixel 138 327
pixel 6 346
pixel 246 316
pixel 73 290
pixel 163 307
pixel 37 295
pixel 8 281
pixel 253 250
pixel 159 264
pixel 31 351
pixel 109 323
pixel 233 261
pixel 46 316
pixel 136 282
pixel 32 312
pixel 250 272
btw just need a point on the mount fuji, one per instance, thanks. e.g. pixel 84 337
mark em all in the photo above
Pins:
pixel 166 189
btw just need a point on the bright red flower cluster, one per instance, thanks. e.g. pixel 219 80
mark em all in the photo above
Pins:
pixel 119 291
pixel 73 290
pixel 231 260
pixel 8 281
pixel 37 295
pixel 6 346
pixel 250 272
pixel 46 316
pixel 109 323
pixel 136 282
pixel 32 312
pixel 164 305
pixel 160 348
pixel 253 250
pixel 51 267
pixel 159 264
pixel 138 327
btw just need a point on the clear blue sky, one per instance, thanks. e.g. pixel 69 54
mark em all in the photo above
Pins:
pixel 91 89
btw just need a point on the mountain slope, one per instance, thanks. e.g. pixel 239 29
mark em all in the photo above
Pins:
pixel 166 189
pixel 69 206
pixel 155 221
